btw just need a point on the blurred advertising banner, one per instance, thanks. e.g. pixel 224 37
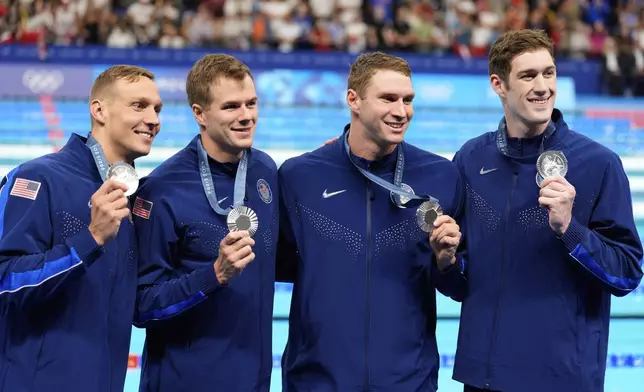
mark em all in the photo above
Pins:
pixel 33 81
pixel 276 87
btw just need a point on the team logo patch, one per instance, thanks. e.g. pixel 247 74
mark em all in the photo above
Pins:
pixel 142 208
pixel 25 188
pixel 264 191
pixel 403 200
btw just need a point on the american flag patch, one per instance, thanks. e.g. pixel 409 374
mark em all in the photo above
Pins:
pixel 25 188
pixel 142 208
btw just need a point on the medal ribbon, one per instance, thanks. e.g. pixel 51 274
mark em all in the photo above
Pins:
pixel 395 188
pixel 99 156
pixel 239 191
pixel 502 137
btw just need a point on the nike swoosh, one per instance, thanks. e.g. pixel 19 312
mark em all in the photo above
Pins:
pixel 483 171
pixel 327 195
pixel 222 200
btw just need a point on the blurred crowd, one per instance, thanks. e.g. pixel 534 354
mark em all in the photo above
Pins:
pixel 609 30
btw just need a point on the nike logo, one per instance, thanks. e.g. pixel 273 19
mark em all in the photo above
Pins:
pixel 222 200
pixel 483 171
pixel 327 195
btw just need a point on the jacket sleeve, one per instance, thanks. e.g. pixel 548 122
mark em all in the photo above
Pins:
pixel 609 249
pixel 287 254
pixel 165 289
pixel 32 271
pixel 452 282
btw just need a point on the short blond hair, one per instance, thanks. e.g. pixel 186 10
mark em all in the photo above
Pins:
pixel 366 65
pixel 107 78
pixel 209 69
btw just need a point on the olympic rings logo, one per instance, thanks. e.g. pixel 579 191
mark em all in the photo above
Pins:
pixel 40 81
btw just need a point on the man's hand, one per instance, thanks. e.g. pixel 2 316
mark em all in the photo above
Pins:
pixel 557 195
pixel 109 207
pixel 444 240
pixel 235 253
pixel 331 141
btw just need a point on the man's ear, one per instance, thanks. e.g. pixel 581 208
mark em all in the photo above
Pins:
pixel 200 115
pixel 98 111
pixel 353 100
pixel 498 85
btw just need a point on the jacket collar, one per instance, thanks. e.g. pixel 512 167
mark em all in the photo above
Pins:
pixel 384 164
pixel 555 132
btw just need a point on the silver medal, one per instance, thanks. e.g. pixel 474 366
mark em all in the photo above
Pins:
pixel 125 174
pixel 552 163
pixel 538 179
pixel 242 218
pixel 426 214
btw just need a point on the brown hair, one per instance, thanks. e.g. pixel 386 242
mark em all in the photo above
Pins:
pixel 209 69
pixel 129 73
pixel 366 65
pixel 513 43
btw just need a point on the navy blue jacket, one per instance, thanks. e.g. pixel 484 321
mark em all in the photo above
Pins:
pixel 66 304
pixel 537 309
pixel 363 311
pixel 202 336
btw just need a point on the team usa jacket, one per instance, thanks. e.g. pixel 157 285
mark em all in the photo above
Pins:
pixel 66 304
pixel 363 311
pixel 536 309
pixel 200 335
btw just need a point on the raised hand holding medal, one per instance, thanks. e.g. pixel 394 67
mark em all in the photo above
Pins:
pixel 235 250
pixel 557 195
pixel 109 204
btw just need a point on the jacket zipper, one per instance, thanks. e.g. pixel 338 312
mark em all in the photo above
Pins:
pixel 261 319
pixel 491 351
pixel 367 290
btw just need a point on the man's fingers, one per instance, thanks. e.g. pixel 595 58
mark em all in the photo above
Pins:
pixel 443 219
pixel 240 254
pixel 240 243
pixel 547 201
pixel 122 213
pixel 241 264
pixel 550 193
pixel 450 240
pixel 109 186
pixel 116 204
pixel 234 236
pixel 556 182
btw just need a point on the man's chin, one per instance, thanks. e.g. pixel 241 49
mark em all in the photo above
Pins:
pixel 243 144
pixel 139 152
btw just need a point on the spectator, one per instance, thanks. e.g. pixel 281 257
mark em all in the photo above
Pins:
pixel 579 28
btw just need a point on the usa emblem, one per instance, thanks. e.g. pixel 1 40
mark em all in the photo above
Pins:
pixel 25 188
pixel 264 191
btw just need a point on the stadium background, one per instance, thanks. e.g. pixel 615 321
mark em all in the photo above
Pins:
pixel 300 52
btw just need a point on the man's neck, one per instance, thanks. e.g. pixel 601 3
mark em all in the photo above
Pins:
pixel 219 153
pixel 519 130
pixel 364 147
pixel 112 155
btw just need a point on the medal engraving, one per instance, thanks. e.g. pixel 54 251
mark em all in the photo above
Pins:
pixel 552 163
pixel 125 174
pixel 242 218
